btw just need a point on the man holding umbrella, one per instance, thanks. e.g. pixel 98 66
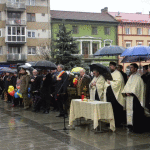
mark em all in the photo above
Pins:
pixel 113 94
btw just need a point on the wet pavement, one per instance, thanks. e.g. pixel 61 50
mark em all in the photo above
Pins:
pixel 25 130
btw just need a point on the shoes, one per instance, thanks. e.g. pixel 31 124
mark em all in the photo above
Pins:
pixel 46 112
pixel 26 107
pixel 60 115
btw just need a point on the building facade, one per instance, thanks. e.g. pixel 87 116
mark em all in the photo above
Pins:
pixel 91 31
pixel 24 29
pixel 133 30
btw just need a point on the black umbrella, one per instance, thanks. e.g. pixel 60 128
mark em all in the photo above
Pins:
pixel 44 64
pixel 112 50
pixel 103 70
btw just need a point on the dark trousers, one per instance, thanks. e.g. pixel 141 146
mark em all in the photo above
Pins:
pixel 61 102
pixel 9 98
pixel 54 103
pixel 46 99
pixel 36 99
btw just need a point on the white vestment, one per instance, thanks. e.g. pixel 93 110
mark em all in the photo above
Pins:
pixel 117 85
pixel 134 85
pixel 100 81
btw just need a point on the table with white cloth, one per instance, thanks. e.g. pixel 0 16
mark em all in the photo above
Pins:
pixel 94 110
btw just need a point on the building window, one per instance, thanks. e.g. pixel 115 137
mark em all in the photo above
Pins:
pixel 0 32
pixel 139 31
pixel 94 47
pixel 139 43
pixel 128 44
pixel 16 34
pixel 75 29
pixel 31 34
pixel 127 30
pixel 148 31
pixel 94 30
pixel 43 14
pixel 14 50
pixel 107 30
pixel 1 51
pixel 148 43
pixel 31 50
pixel 31 2
pixel 43 30
pixel 31 17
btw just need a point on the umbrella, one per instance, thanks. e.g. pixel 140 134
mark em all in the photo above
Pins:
pixel 137 51
pixel 44 64
pixel 129 59
pixel 5 69
pixel 103 70
pixel 26 67
pixel 112 50
pixel 76 69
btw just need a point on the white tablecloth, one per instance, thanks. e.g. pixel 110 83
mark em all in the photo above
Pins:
pixel 93 110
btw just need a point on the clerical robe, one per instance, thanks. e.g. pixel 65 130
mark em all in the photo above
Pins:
pixel 135 103
pixel 98 89
pixel 112 93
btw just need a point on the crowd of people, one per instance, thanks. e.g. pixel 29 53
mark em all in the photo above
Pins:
pixel 129 95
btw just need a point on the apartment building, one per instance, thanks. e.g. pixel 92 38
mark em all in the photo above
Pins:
pixel 133 30
pixel 24 30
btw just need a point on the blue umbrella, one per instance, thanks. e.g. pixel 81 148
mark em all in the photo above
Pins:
pixel 129 59
pixel 137 51
pixel 112 50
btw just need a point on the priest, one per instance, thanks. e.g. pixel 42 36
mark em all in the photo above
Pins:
pixel 96 86
pixel 135 101
pixel 113 90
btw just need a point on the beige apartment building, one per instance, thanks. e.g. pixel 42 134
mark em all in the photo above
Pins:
pixel 133 30
pixel 24 30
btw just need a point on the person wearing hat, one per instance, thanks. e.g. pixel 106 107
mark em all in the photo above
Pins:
pixel 25 79
pixel 113 94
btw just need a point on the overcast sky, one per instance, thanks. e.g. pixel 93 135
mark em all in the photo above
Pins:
pixel 128 6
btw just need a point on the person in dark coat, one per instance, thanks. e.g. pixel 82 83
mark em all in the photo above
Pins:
pixel 46 92
pixel 61 90
pixel 54 74
pixel 35 90
pixel 145 74
pixel 146 80
pixel 7 83
pixel 120 68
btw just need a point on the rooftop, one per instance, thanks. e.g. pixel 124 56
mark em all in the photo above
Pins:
pixel 84 16
pixel 132 17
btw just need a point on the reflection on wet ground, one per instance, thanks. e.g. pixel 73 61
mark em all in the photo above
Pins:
pixel 26 130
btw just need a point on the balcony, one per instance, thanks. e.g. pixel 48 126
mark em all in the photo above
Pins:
pixel 15 21
pixel 16 57
pixel 16 39
pixel 16 6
